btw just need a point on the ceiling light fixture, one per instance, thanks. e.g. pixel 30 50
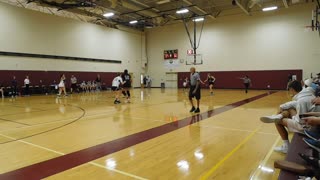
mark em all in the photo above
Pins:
pixel 198 19
pixel 270 8
pixel 163 1
pixel 108 14
pixel 182 11
pixel 133 22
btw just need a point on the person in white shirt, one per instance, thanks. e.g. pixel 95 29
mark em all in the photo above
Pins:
pixel 26 85
pixel 62 86
pixel 84 86
pixel 116 82
pixel 93 86
pixel 288 119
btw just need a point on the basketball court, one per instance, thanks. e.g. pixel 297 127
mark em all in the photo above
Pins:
pixel 86 136
pixel 154 136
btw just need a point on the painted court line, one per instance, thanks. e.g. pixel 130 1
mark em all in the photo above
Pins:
pixel 257 172
pixel 215 167
pixel 60 153
pixel 59 164
pixel 234 129
pixel 15 122
pixel 31 144
pixel 31 126
pixel 118 171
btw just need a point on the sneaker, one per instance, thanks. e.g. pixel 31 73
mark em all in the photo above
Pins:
pixel 192 109
pixel 314 162
pixel 283 149
pixel 197 110
pixel 117 102
pixel 271 119
pixel 312 143
pixel 313 135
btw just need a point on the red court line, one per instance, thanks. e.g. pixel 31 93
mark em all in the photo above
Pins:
pixel 62 163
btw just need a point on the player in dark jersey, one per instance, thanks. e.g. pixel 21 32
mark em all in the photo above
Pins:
pixel 211 79
pixel 127 85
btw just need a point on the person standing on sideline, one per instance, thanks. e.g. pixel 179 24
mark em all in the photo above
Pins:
pixel 73 81
pixel 149 80
pixel 211 80
pixel 126 78
pixel 145 81
pixel 194 89
pixel 116 87
pixel 26 85
pixel 289 80
pixel 98 81
pixel 14 85
pixel 246 82
pixel 1 90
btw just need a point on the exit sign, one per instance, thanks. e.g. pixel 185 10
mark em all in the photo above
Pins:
pixel 190 51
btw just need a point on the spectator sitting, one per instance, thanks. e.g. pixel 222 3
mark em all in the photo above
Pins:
pixel 288 115
pixel 84 86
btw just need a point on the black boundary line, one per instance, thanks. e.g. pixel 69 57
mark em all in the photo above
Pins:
pixel 16 122
pixel 77 119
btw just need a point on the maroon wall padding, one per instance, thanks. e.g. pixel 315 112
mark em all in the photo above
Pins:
pixel 277 79
pixel 48 77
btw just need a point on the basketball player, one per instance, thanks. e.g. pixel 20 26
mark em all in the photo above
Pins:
pixel 211 80
pixel 61 85
pixel 1 90
pixel 246 82
pixel 194 89
pixel 185 83
pixel 127 85
pixel 116 87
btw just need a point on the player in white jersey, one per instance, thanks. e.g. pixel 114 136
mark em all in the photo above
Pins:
pixel 117 81
pixel 61 85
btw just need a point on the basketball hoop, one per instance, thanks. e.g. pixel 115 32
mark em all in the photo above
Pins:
pixel 194 59
pixel 315 22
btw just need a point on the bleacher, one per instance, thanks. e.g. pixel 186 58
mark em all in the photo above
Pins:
pixel 297 146
pixel 44 82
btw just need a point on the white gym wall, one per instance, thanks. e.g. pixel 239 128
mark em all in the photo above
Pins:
pixel 28 31
pixel 264 41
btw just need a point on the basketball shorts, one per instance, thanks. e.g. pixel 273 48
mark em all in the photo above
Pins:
pixel 197 94
pixel 114 88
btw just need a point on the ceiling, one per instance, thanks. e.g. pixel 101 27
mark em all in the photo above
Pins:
pixel 149 13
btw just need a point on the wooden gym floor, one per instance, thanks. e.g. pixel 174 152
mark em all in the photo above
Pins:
pixel 86 136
